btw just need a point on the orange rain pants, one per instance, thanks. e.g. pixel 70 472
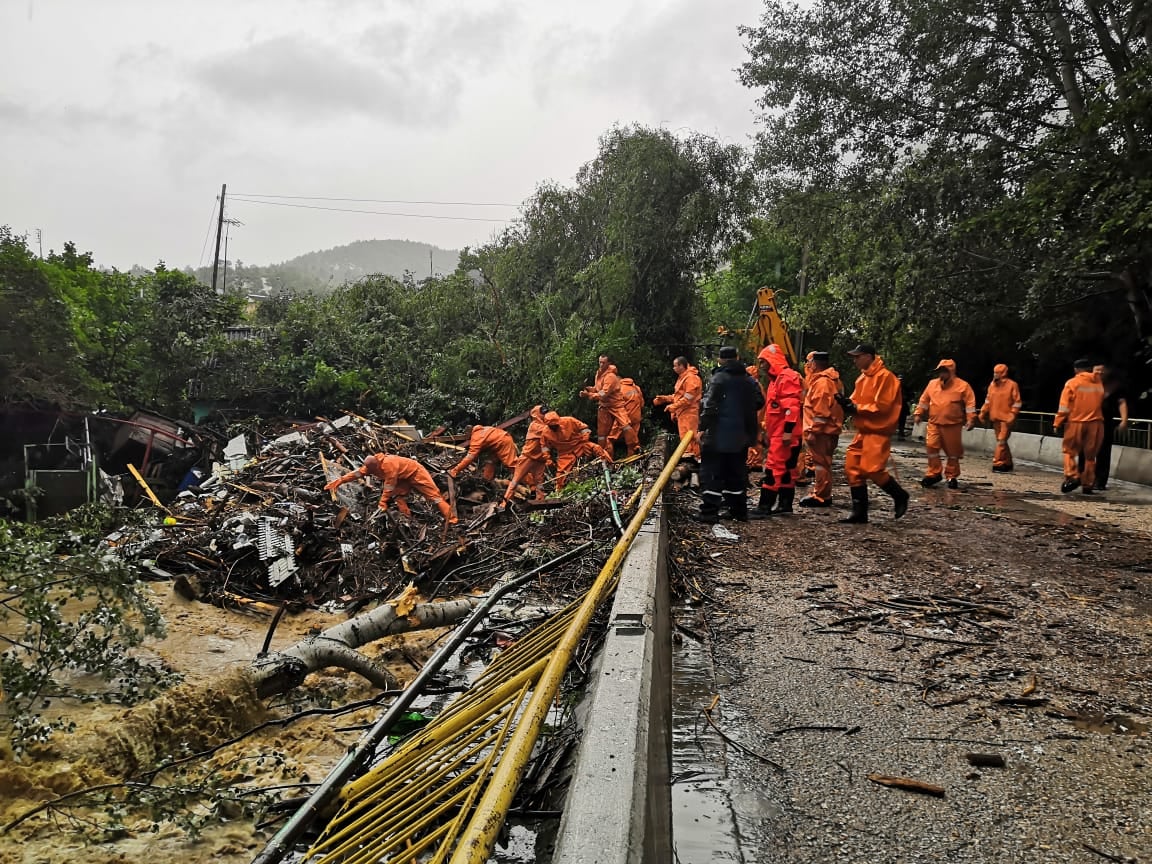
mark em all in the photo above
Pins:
pixel 1002 457
pixel 1082 437
pixel 867 458
pixel 821 446
pixel 566 462
pixel 947 438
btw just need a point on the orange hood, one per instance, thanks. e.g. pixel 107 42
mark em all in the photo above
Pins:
pixel 774 357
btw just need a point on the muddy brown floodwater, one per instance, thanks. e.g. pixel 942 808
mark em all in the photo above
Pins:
pixel 1001 621
pixel 211 647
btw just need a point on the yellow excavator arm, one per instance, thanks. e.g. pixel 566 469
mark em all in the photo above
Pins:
pixel 765 327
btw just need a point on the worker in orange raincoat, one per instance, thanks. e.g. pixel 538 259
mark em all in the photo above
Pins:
pixel 684 403
pixel 875 409
pixel 534 458
pixel 398 476
pixel 1081 417
pixel 612 411
pixel 570 438
pixel 1001 407
pixel 782 432
pixel 949 406
pixel 823 420
pixel 492 446
pixel 633 405
pixel 756 453
pixel 805 467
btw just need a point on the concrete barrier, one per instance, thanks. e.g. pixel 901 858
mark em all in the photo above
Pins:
pixel 1133 464
pixel 619 805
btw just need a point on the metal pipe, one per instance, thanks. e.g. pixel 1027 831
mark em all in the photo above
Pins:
pixel 475 845
pixel 356 758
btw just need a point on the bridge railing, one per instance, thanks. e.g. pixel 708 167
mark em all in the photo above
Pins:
pixel 1138 433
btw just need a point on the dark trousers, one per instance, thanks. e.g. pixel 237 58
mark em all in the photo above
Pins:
pixel 724 480
pixel 1104 456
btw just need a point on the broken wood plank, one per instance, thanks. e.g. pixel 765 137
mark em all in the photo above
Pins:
pixel 908 785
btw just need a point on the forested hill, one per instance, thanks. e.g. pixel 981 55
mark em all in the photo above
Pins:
pixel 328 268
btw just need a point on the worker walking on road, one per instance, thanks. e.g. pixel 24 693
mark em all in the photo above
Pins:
pixel 727 427
pixel 570 438
pixel 1001 407
pixel 875 409
pixel 1081 418
pixel 1115 410
pixel 611 411
pixel 949 406
pixel 398 476
pixel 533 460
pixel 783 399
pixel 823 420
pixel 684 402
pixel 491 446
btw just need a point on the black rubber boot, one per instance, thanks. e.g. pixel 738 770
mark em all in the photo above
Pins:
pixel 787 498
pixel 813 501
pixel 764 505
pixel 859 506
pixel 931 480
pixel 737 503
pixel 899 496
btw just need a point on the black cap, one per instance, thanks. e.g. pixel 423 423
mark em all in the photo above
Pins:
pixel 728 352
pixel 864 348
pixel 822 356
pixel 1083 363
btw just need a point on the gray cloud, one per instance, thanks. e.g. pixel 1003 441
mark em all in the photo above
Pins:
pixel 14 113
pixel 66 119
pixel 307 80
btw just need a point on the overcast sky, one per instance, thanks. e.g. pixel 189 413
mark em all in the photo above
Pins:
pixel 119 119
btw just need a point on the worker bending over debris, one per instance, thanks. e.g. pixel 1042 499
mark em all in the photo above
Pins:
pixel 823 420
pixel 533 459
pixel 570 438
pixel 949 406
pixel 398 476
pixel 491 446
pixel 1001 406
pixel 1081 417
pixel 612 412
pixel 875 407
pixel 633 398
pixel 684 403
pixel 782 432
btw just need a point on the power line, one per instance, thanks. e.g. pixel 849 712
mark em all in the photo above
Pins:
pixel 235 199
pixel 379 200
pixel 208 233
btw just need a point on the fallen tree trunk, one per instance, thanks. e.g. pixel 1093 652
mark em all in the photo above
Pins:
pixel 280 671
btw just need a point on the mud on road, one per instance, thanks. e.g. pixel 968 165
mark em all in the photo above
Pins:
pixel 999 620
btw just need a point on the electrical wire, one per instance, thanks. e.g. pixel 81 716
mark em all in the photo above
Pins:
pixel 208 233
pixel 377 200
pixel 235 199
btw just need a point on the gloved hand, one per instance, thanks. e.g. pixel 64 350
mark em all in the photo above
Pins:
pixel 661 400
pixel 335 484
pixel 452 473
pixel 789 430
pixel 847 404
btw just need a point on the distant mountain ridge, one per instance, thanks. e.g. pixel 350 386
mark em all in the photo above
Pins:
pixel 326 269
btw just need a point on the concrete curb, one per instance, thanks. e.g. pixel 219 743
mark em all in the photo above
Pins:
pixel 619 806
pixel 1133 464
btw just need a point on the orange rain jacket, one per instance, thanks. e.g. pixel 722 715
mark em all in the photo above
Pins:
pixel 633 401
pixel 487 438
pixel 1003 400
pixel 947 406
pixel 686 396
pixel 822 413
pixel 877 400
pixel 534 447
pixel 1082 400
pixel 565 434
pixel 398 475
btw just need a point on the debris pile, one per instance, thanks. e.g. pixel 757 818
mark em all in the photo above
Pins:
pixel 260 526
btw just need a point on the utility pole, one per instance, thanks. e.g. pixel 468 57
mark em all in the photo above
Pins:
pixel 40 242
pixel 219 232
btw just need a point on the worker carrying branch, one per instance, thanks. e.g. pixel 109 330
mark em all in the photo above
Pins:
pixel 491 446
pixel 612 411
pixel 398 475
pixel 533 460
pixel 875 409
pixel 684 403
pixel 1081 419
pixel 1001 406
pixel 949 406
pixel 570 439
pixel 783 399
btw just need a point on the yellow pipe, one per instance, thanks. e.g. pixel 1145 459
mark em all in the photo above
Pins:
pixel 476 844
